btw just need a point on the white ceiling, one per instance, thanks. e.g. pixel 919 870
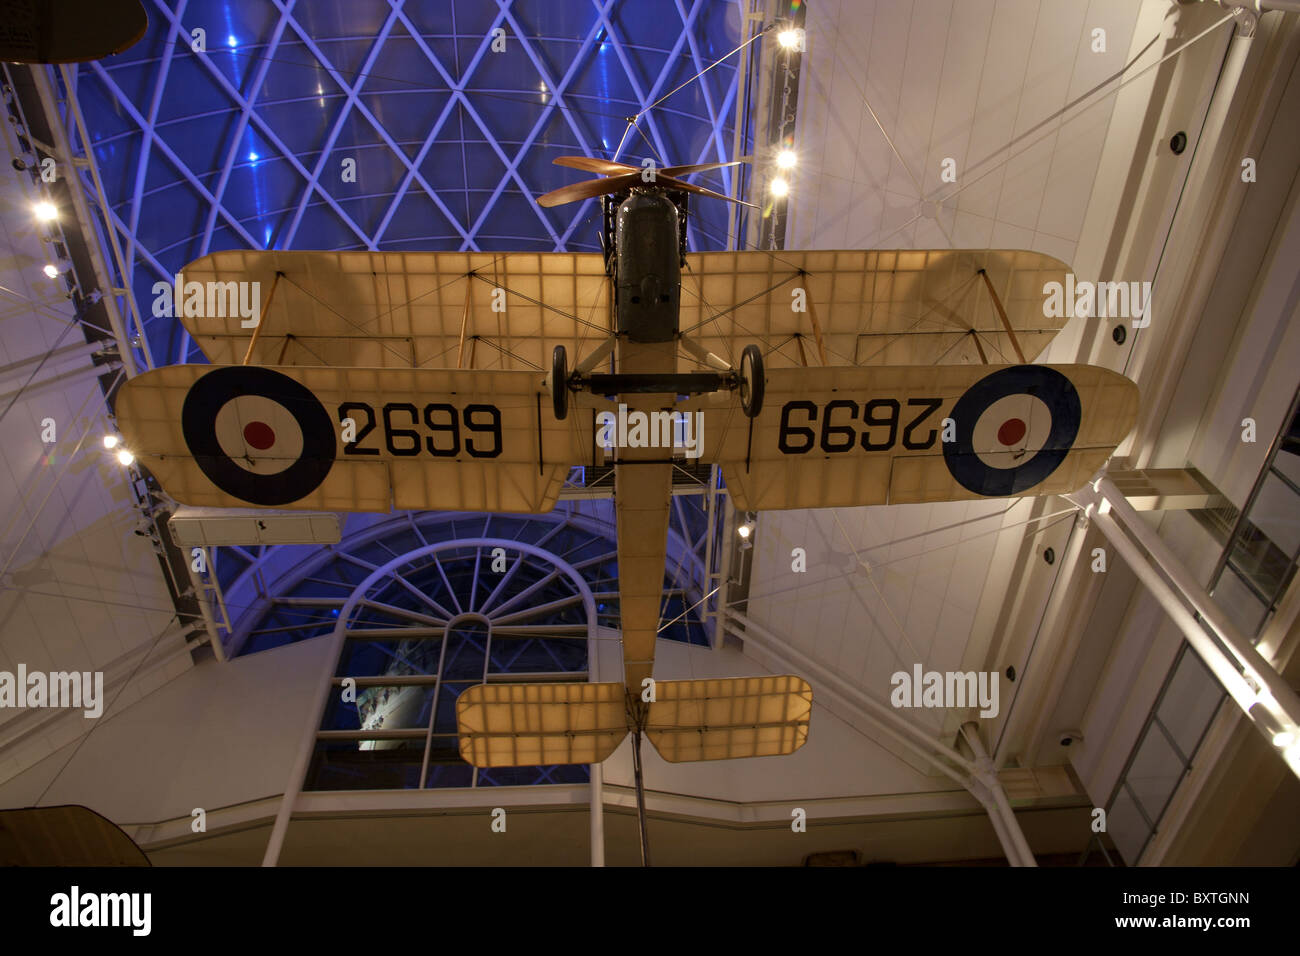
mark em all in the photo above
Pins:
pixel 956 80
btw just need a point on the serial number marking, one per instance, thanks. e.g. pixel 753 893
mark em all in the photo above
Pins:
pixel 444 422
pixel 880 425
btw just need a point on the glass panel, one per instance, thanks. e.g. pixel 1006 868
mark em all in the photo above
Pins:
pixel 1237 601
pixel 387 707
pixel 466 649
pixel 1289 464
pixel 1126 827
pixel 365 658
pixel 365 765
pixel 446 768
pixel 445 722
pixel 528 776
pixel 1276 512
pixel 1155 771
pixel 1189 702
pixel 525 655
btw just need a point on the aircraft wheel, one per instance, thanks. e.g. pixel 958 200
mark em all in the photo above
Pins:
pixel 560 382
pixel 751 381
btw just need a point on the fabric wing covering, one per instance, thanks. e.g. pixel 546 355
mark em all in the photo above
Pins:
pixel 520 725
pixel 846 437
pixel 233 436
pixel 531 725
pixel 724 718
pixel 485 310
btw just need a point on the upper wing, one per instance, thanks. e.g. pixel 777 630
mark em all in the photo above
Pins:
pixel 879 307
pixel 395 309
pixel 508 311
pixel 838 437
pixel 231 436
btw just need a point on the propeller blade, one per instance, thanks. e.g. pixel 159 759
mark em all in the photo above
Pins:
pixel 603 166
pixel 696 168
pixel 592 187
pixel 692 188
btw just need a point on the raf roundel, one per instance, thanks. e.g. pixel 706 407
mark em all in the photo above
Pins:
pixel 1014 428
pixel 258 435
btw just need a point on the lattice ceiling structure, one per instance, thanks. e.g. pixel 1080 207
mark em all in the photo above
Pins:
pixel 252 144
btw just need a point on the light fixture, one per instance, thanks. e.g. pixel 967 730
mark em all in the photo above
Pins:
pixel 780 187
pixel 745 530
pixel 124 457
pixel 785 159
pixel 45 211
pixel 51 270
pixel 110 441
pixel 1283 739
pixel 789 38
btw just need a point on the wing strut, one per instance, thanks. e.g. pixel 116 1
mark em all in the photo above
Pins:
pixel 257 329
pixel 1002 314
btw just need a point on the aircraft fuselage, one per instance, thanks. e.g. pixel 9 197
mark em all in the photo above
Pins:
pixel 647 274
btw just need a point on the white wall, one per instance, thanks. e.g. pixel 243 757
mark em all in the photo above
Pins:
pixel 78 589
pixel 220 734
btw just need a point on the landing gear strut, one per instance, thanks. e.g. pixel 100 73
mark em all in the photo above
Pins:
pixel 747 380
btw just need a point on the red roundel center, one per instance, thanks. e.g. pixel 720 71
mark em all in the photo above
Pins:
pixel 1012 430
pixel 261 436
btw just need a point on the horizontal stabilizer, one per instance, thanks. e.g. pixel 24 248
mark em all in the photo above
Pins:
pixel 530 725
pixel 722 718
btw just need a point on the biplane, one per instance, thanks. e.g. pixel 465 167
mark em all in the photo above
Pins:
pixel 821 379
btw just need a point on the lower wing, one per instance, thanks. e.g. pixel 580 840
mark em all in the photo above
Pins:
pixel 840 437
pixel 349 439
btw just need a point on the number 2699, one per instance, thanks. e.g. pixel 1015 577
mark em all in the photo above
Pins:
pixel 842 425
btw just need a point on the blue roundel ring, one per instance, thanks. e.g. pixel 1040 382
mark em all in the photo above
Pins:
pixel 198 424
pixel 1047 385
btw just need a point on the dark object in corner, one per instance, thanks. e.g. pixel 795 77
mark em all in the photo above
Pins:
pixel 64 836
pixel 69 31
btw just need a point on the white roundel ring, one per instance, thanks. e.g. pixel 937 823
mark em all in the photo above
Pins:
pixel 1014 428
pixel 1009 431
pixel 258 435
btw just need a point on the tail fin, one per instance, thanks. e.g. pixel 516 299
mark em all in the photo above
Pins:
pixel 717 719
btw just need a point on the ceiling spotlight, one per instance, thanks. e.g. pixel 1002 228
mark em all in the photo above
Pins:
pixel 746 529
pixel 51 270
pixel 788 38
pixel 124 457
pixel 1284 739
pixel 780 187
pixel 45 211
pixel 785 159
pixel 110 441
